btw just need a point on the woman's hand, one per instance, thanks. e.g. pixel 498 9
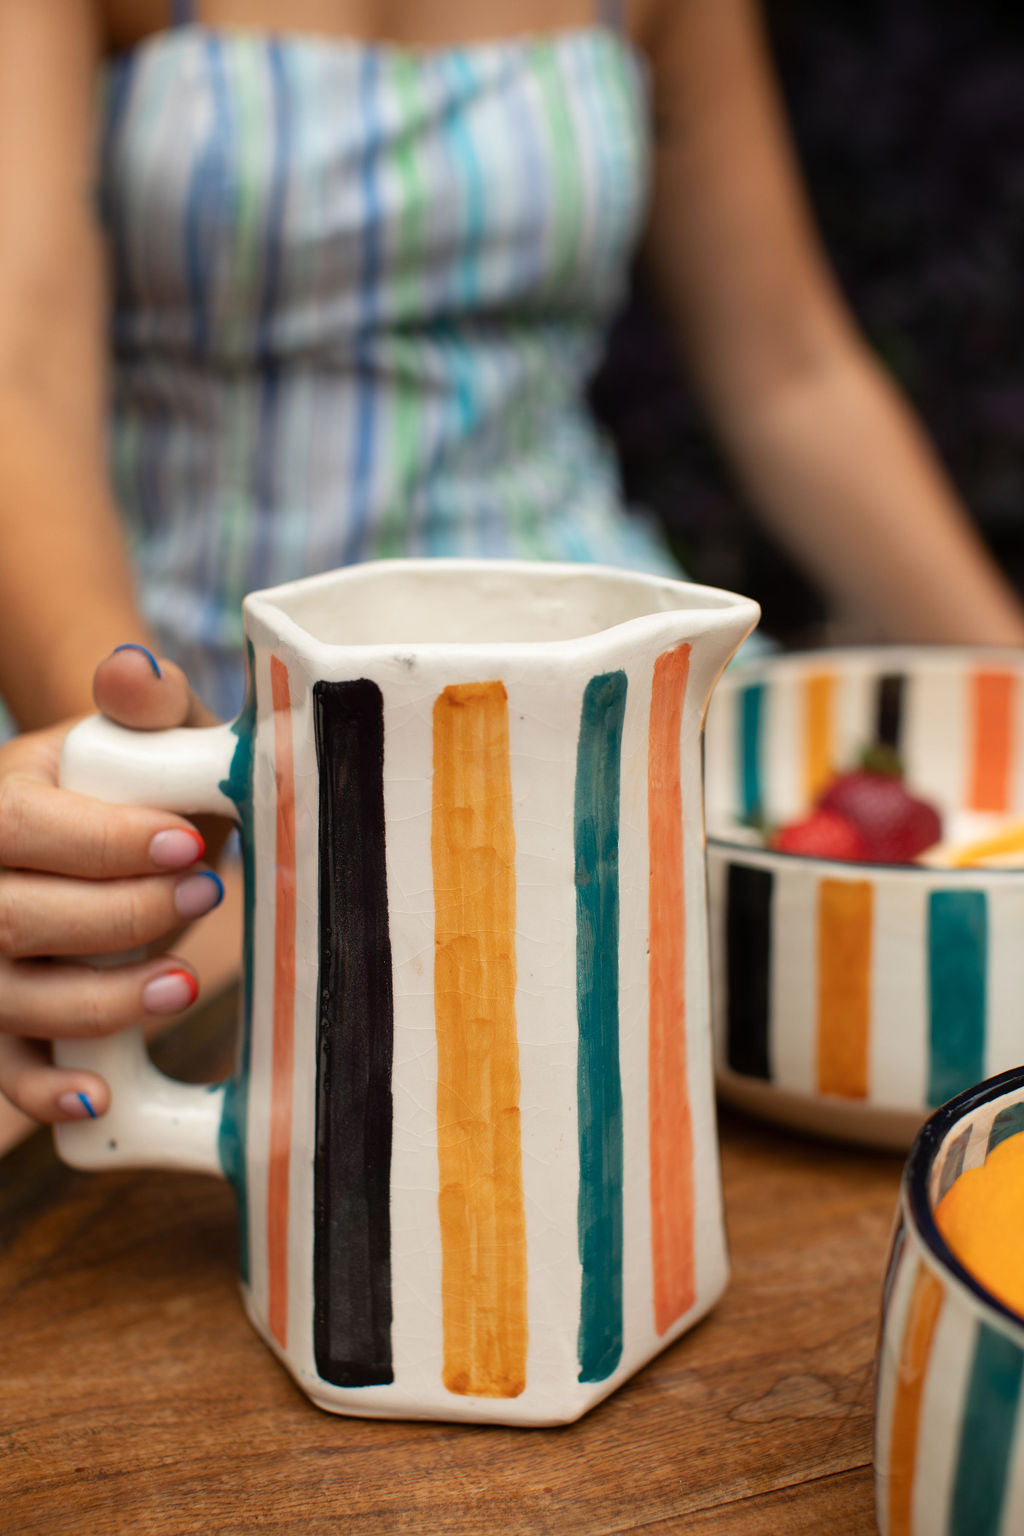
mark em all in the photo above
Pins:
pixel 80 878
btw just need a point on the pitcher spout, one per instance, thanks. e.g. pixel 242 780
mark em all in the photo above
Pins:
pixel 726 621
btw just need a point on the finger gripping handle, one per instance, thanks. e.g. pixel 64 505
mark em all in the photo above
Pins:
pixel 180 770
pixel 152 1121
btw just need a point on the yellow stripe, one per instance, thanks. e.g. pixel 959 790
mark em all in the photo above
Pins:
pixel 819 698
pixel 483 1223
pixel 915 1348
pixel 844 986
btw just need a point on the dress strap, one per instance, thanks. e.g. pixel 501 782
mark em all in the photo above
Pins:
pixel 183 13
pixel 612 14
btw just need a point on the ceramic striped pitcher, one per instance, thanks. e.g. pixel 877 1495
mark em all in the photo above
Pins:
pixel 471 1129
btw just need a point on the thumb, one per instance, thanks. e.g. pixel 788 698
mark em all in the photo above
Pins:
pixel 136 689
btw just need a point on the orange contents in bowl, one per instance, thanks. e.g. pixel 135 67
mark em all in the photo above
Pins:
pixel 982 1219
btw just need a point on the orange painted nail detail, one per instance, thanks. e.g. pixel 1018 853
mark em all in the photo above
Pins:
pixel 188 979
pixel 844 986
pixel 993 697
pixel 819 699
pixel 483 1220
pixel 671 1129
pixel 283 1047
pixel 923 1314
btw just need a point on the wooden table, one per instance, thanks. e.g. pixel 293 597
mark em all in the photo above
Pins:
pixel 135 1398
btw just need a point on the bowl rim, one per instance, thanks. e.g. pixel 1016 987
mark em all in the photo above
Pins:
pixel 745 668
pixel 865 869
pixel 916 1204
pixel 739 674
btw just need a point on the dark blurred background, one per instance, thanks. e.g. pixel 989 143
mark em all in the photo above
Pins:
pixel 909 120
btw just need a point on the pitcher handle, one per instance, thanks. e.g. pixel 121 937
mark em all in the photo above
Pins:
pixel 153 1121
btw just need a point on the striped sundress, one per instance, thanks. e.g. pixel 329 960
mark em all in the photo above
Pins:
pixel 359 291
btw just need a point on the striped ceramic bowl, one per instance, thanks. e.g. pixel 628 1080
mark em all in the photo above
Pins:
pixel 850 999
pixel 949 1423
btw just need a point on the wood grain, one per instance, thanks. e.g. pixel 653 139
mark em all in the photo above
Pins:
pixel 137 1399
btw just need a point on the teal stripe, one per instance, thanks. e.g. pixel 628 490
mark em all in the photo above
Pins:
pixel 235 1109
pixel 598 1085
pixel 751 714
pixel 1008 1122
pixel 957 963
pixel 986 1435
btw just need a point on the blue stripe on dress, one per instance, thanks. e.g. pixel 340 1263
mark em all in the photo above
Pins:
pixel 202 195
pixel 213 193
pixel 358 513
pixel 531 264
pixel 261 572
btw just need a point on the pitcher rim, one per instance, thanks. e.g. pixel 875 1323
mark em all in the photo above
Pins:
pixel 724 610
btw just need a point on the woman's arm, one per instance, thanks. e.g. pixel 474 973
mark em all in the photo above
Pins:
pixel 65 585
pixel 829 452
pixel 77 878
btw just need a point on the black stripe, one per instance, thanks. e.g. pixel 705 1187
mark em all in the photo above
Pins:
pixel 352 1245
pixel 953 1163
pixel 748 969
pixel 889 710
pixel 896 1250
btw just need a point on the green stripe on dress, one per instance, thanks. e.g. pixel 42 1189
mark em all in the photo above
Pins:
pixel 566 210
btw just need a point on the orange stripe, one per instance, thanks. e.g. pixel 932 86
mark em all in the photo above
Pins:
pixel 819 697
pixel 671 1132
pixel 993 700
pixel 483 1221
pixel 915 1348
pixel 284 1009
pixel 844 986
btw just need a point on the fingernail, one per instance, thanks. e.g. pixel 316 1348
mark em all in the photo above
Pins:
pixel 132 646
pixel 175 849
pixel 77 1106
pixel 198 894
pixel 170 993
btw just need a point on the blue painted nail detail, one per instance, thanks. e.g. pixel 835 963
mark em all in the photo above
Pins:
pixel 218 882
pixel 132 646
pixel 88 1105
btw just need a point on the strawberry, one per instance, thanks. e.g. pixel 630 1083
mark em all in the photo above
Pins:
pixel 895 824
pixel 825 834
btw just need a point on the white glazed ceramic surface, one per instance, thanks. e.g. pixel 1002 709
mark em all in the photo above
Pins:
pixel 472 1128
pixel 850 999
pixel 949 1422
